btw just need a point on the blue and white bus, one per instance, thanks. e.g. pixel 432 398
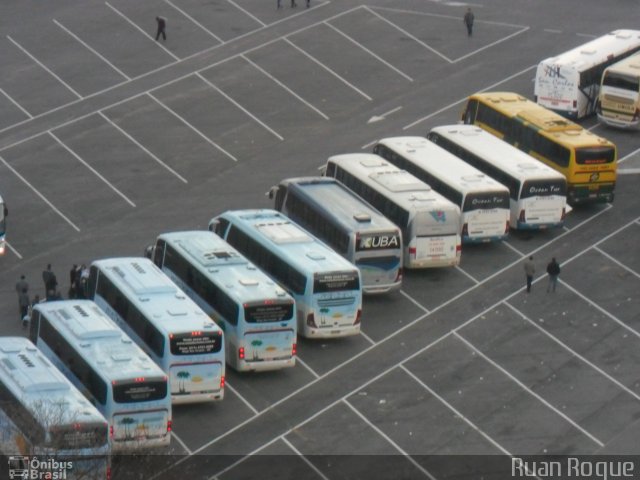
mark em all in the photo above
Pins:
pixel 3 225
pixel 165 323
pixel 43 415
pixel 348 224
pixel 483 202
pixel 257 316
pixel 538 192
pixel 430 223
pixel 327 288
pixel 124 384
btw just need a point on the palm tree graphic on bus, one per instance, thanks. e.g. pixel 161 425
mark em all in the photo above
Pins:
pixel 183 376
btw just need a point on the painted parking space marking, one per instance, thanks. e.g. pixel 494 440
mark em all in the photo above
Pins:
pixel 15 252
pixel 466 274
pixel 242 399
pixel 20 107
pixel 195 22
pixel 617 262
pixel 301 362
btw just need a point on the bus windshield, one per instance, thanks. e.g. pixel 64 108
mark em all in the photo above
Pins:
pixel 335 282
pixel 195 343
pixel 595 155
pixel 619 80
pixel 139 390
pixel 542 188
pixel 485 201
pixel 267 313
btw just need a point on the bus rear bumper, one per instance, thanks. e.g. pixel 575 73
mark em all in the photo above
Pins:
pixel 197 398
pixel 477 240
pixel 328 332
pixel 380 289
pixel 266 366
pixel 538 226
pixel 616 123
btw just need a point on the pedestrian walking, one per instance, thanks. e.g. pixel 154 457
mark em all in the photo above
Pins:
pixel 553 270
pixel 50 282
pixel 22 284
pixel 468 21
pixel 308 3
pixel 72 281
pixel 162 25
pixel 293 4
pixel 529 271
pixel 278 3
pixel 23 302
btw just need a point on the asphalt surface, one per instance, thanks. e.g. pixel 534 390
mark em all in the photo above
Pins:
pixel 109 138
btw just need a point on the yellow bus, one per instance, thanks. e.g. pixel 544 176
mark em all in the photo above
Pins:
pixel 586 160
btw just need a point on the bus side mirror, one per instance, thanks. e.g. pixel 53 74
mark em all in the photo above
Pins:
pixel 322 169
pixel 272 192
pixel 213 224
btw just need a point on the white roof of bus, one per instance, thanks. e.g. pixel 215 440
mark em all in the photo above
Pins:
pixel 297 245
pixel 102 343
pixel 406 190
pixel 223 264
pixel 155 295
pixel 505 156
pixel 596 51
pixel 350 210
pixel 628 66
pixel 442 164
pixel 33 379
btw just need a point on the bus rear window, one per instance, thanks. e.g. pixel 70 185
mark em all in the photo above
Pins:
pixel 80 435
pixel 266 313
pixel 595 155
pixel 486 201
pixel 543 188
pixel 378 241
pixel 625 82
pixel 195 343
pixel 335 282
pixel 139 390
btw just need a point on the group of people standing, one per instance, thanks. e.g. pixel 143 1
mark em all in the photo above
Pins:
pixel 553 270
pixel 78 281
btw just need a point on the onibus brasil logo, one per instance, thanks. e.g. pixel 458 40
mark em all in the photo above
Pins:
pixel 38 469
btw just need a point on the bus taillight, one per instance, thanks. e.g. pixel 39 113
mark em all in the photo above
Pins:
pixel 222 382
pixel 241 353
pixel 108 473
pixel 465 230
pixel 294 349
pixel 458 248
pixel 412 252
pixel 111 431
pixel 169 424
pixel 358 317
pixel 506 228
pixel 311 321
pixel 399 275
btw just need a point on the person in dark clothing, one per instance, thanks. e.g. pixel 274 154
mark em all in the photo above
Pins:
pixel 50 282
pixel 529 271
pixel 22 284
pixel 24 301
pixel 72 281
pixel 468 21
pixel 293 3
pixel 553 270
pixel 162 25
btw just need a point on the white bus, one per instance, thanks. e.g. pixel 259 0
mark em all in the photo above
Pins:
pixel 257 316
pixel 326 287
pixel 430 223
pixel 3 225
pixel 568 83
pixel 124 384
pixel 165 323
pixel 348 224
pixel 619 98
pixel 538 192
pixel 43 415
pixel 483 202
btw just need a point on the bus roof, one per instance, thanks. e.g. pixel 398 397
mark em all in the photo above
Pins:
pixel 596 51
pixel 629 66
pixel 224 265
pixel 512 160
pixel 101 342
pixel 406 190
pixel 35 381
pixel 349 210
pixel 554 125
pixel 274 229
pixel 442 164
pixel 155 295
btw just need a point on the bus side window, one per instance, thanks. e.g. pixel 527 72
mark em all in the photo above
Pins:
pixel 469 115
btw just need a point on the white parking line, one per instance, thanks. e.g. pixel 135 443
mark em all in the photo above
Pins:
pixel 44 67
pixel 492 44
pixel 388 439
pixel 42 197
pixel 143 148
pixel 22 109
pixel 617 262
pixel 258 67
pixel 528 390
pixel 195 22
pixel 468 275
pixel 198 132
pixel 507 244
pixel 599 308
pixel 256 119
pixel 458 102
pixel 246 402
pixel 628 156
pixel 182 444
pixel 247 13
pixel 141 30
pixel 367 338
pixel 417 40
pixel 92 50
pixel 301 362
pixel 15 252
pixel 369 51
pixel 455 411
pixel 95 172
pixel 574 353
pixel 414 301
pixel 313 59
pixel 370 144
pixel 304 458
